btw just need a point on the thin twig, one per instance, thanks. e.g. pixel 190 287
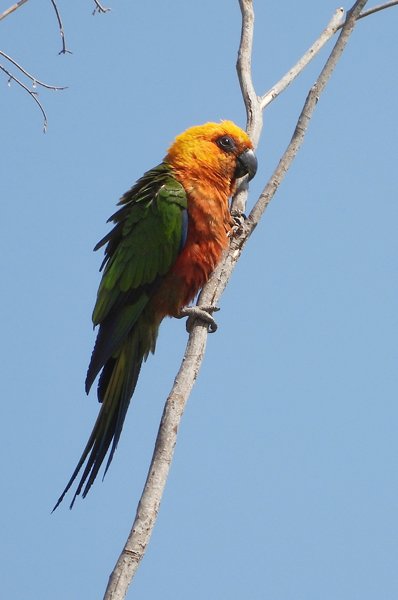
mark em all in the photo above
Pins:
pixel 304 118
pixel 329 31
pixel 254 114
pixel 11 9
pixel 148 507
pixel 12 77
pixel 218 281
pixel 243 67
pixel 377 8
pixel 99 8
pixel 333 26
pixel 30 76
pixel 64 50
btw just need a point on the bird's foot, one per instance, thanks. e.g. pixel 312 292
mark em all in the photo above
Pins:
pixel 199 312
pixel 239 219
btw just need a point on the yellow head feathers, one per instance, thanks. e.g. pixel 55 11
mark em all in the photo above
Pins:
pixel 210 151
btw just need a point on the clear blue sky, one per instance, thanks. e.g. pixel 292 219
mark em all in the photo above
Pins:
pixel 284 484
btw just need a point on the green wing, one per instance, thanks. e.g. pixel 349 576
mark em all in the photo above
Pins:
pixel 145 242
pixel 149 231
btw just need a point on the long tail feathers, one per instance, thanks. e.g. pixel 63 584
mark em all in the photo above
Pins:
pixel 115 388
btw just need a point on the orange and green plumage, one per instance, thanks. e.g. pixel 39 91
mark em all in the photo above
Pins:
pixel 169 234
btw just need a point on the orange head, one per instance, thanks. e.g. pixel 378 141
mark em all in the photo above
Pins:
pixel 216 152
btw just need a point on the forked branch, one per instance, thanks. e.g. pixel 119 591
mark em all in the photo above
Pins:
pixel 148 507
pixel 63 50
pixel 35 81
pixel 100 8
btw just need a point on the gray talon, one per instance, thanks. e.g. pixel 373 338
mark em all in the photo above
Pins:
pixel 199 312
pixel 239 219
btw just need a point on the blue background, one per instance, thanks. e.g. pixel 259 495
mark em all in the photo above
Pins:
pixel 284 483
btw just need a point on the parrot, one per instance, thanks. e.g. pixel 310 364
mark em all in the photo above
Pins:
pixel 168 235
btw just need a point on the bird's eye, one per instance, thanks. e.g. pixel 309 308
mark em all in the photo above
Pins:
pixel 226 143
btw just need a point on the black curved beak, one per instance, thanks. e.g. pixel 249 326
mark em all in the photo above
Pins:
pixel 246 164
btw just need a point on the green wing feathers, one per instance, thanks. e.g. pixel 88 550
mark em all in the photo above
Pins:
pixel 140 249
pixel 145 241
pixel 116 386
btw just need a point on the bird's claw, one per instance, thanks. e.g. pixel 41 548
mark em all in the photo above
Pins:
pixel 239 219
pixel 199 312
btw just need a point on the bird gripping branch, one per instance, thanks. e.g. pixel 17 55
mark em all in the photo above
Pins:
pixel 169 234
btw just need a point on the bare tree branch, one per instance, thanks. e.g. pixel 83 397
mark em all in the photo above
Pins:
pixel 148 507
pixel 64 49
pixel 30 76
pixel 12 8
pixel 31 93
pixel 334 25
pixel 327 33
pixel 304 118
pixel 99 8
pixel 254 116
pixel 378 8
pixel 35 81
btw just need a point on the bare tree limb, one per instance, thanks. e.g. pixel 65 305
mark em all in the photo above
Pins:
pixel 334 24
pixel 11 77
pixel 148 507
pixel 30 76
pixel 64 49
pixel 31 93
pixel 304 118
pixel 254 116
pixel 378 8
pixel 99 8
pixel 11 9
pixel 218 281
pixel 33 79
pixel 165 443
